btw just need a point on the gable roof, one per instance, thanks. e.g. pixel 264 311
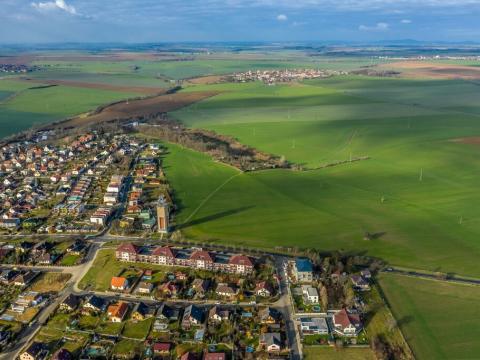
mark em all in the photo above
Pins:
pixel 194 312
pixel 118 310
pixel 344 319
pixel 34 349
pixel 161 347
pixel 62 354
pixel 214 356
pixel 201 255
pixel 71 301
pixel 163 251
pixel 96 302
pixel 118 281
pixel 128 247
pixel 240 260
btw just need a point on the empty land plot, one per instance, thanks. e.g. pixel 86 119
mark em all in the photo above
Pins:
pixel 440 320
pixel 50 281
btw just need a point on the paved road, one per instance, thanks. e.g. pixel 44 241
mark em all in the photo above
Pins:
pixel 284 304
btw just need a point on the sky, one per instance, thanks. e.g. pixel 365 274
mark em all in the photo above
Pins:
pixel 139 21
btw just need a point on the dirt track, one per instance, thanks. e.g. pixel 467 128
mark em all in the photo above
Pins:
pixel 425 69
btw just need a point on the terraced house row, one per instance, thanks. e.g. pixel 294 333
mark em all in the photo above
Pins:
pixel 196 259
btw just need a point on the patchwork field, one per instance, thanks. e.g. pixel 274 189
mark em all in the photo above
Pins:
pixel 439 320
pixel 25 104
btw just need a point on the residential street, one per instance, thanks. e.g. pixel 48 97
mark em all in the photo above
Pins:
pixel 283 304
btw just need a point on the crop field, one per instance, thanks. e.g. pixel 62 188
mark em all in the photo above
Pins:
pixel 27 104
pixel 439 320
pixel 417 191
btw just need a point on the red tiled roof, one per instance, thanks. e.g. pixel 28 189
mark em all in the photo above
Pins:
pixel 240 260
pixel 163 251
pixel 118 310
pixel 345 319
pixel 118 281
pixel 201 255
pixel 214 356
pixel 161 347
pixel 128 247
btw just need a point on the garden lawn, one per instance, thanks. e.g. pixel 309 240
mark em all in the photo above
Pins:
pixel 105 266
pixel 128 348
pixel 137 330
pixel 440 320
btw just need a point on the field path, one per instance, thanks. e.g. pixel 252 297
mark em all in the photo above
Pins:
pixel 204 201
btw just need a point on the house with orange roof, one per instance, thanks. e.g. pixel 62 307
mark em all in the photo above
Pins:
pixel 117 312
pixel 119 283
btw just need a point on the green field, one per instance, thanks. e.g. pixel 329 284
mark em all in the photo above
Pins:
pixel 330 353
pixel 439 320
pixel 418 190
pixel 33 106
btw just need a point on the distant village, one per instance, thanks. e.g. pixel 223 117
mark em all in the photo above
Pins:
pixel 272 77
pixel 17 68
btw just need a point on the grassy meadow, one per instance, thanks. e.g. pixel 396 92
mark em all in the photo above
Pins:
pixel 418 190
pixel 439 320
pixel 23 104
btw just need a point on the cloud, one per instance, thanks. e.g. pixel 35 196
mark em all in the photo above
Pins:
pixel 282 17
pixel 381 26
pixel 55 5
pixel 406 21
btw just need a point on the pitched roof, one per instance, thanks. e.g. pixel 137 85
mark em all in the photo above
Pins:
pixel 118 281
pixel 263 285
pixel 128 247
pixel 201 255
pixel 118 310
pixel 34 349
pixel 163 251
pixel 344 319
pixel 188 356
pixel 214 356
pixel 71 301
pixel 62 354
pixel 194 312
pixel 271 339
pixel 96 301
pixel 240 260
pixel 161 347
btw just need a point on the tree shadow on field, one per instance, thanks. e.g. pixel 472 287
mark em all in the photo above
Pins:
pixel 405 320
pixel 216 216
